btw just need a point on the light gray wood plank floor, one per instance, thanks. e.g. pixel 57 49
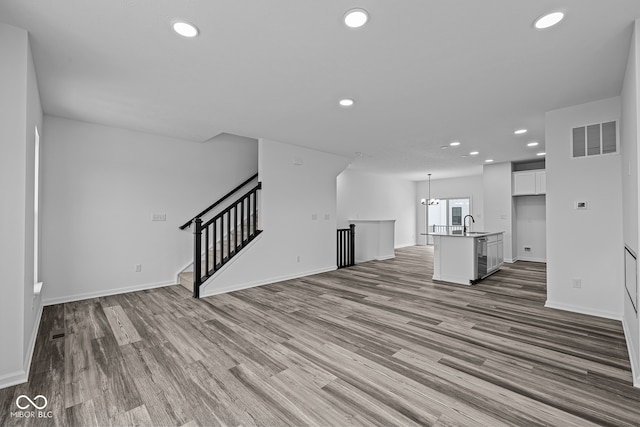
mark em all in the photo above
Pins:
pixel 376 344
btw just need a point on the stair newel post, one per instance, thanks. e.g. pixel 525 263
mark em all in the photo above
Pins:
pixel 197 250
pixel 352 248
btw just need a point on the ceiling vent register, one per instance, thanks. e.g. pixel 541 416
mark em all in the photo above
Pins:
pixel 594 140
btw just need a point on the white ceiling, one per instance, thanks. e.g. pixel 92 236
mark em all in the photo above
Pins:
pixel 423 73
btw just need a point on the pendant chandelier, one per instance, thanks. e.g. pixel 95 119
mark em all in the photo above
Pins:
pixel 432 202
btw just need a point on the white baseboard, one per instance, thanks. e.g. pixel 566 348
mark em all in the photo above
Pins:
pixel 217 291
pixel 407 245
pixel 584 310
pixel 13 378
pixel 106 292
pixel 633 358
pixel 32 340
pixel 460 280
pixel 378 258
pixel 531 259
pixel 22 376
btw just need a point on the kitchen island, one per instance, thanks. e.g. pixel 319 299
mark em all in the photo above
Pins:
pixel 466 258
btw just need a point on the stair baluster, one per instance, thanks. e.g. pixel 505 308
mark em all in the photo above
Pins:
pixel 219 245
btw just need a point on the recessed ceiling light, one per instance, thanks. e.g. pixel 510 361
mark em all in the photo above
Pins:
pixel 532 144
pixel 541 154
pixel 443 147
pixel 520 131
pixel 346 102
pixel 489 161
pixel 474 153
pixel 455 143
pixel 185 29
pixel 464 155
pixel 356 18
pixel 548 20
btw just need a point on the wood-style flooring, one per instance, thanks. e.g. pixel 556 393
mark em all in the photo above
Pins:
pixel 378 344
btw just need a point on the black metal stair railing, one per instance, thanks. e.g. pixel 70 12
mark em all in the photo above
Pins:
pixel 219 201
pixel 219 239
pixel 346 246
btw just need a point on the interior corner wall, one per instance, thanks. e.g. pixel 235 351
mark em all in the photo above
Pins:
pixel 369 196
pixel 101 187
pixel 20 112
pixel 467 186
pixel 297 213
pixel 629 138
pixel 499 210
pixel 583 245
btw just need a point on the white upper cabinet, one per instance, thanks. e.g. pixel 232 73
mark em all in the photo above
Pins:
pixel 541 182
pixel 529 182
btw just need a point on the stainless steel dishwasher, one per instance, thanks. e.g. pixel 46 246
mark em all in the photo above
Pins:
pixel 481 257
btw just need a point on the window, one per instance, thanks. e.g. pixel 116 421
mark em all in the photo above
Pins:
pixel 594 140
pixel 448 215
pixel 456 215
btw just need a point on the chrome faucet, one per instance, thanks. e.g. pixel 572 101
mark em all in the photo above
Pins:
pixel 464 221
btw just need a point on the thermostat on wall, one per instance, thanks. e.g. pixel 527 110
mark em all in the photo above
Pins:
pixel 582 205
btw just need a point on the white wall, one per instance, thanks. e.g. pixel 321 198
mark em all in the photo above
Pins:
pixel 531 228
pixel 297 216
pixel 101 187
pixel 369 196
pixel 499 211
pixel 20 112
pixel 629 137
pixel 468 186
pixel 583 244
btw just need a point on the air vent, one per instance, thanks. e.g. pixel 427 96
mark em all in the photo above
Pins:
pixel 58 333
pixel 595 140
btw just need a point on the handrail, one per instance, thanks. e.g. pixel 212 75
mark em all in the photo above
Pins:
pixel 222 199
pixel 230 208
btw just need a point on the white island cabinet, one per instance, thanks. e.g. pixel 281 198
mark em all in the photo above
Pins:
pixel 466 258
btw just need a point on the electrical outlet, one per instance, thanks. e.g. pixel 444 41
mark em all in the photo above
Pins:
pixel 576 283
pixel 527 249
pixel 159 217
pixel 138 268
pixel 298 258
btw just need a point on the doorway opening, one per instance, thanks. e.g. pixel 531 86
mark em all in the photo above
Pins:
pixel 446 216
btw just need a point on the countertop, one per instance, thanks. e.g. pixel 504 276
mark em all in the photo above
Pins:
pixel 472 234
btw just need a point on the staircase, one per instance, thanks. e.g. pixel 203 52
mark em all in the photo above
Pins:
pixel 220 238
